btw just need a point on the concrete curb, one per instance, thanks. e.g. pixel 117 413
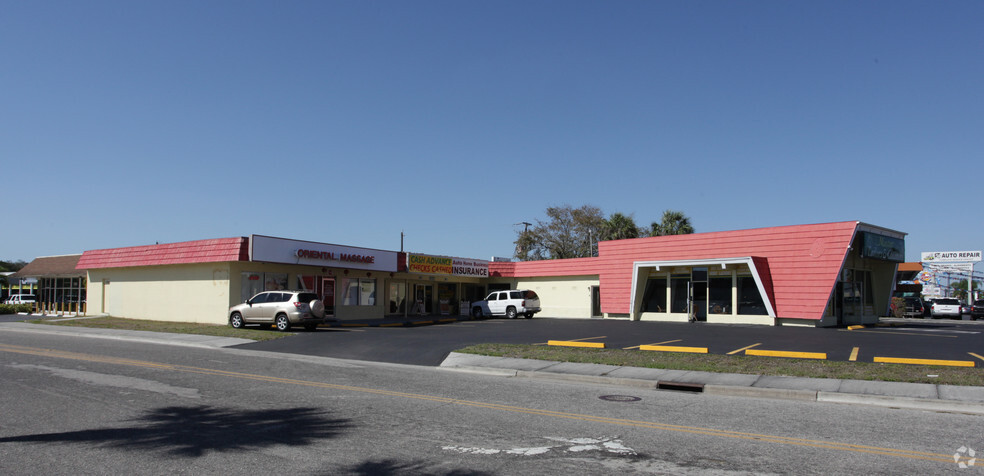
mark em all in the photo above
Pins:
pixel 928 397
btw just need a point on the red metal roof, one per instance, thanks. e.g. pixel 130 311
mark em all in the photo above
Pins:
pixel 201 251
pixel 800 263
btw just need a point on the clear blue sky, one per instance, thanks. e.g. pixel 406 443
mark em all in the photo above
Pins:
pixel 127 123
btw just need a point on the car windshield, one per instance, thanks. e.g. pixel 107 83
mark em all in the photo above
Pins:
pixel 949 302
pixel 530 295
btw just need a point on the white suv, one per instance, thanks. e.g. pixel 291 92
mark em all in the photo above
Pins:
pixel 282 308
pixel 946 307
pixel 508 303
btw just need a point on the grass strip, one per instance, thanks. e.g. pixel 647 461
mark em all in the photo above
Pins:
pixel 739 364
pixel 254 333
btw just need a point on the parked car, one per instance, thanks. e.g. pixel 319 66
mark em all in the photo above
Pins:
pixel 977 310
pixel 946 307
pixel 510 303
pixel 914 307
pixel 282 308
pixel 21 299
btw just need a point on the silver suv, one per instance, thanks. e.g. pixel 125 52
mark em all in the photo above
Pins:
pixel 508 303
pixel 282 308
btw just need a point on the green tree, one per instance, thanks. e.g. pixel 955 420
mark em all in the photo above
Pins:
pixel 673 223
pixel 567 232
pixel 619 227
pixel 960 288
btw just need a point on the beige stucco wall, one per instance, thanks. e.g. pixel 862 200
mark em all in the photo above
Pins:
pixel 565 297
pixel 179 293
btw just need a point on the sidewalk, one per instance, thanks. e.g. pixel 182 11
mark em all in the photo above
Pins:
pixel 930 397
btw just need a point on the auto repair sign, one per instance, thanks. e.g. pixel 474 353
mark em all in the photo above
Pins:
pixel 951 256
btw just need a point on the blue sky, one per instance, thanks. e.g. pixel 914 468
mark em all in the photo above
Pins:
pixel 127 123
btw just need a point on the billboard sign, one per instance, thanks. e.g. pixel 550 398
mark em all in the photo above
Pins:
pixel 951 257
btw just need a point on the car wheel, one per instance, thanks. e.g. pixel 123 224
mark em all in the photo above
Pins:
pixel 529 315
pixel 236 321
pixel 282 322
pixel 477 312
pixel 511 312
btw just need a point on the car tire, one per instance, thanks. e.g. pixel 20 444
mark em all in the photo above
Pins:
pixel 236 321
pixel 282 322
pixel 511 312
pixel 477 312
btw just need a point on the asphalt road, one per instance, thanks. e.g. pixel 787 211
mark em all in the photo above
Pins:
pixel 95 406
pixel 429 345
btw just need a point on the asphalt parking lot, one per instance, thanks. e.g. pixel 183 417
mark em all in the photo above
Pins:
pixel 946 342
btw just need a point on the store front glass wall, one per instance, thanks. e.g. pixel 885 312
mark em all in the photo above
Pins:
pixel 704 291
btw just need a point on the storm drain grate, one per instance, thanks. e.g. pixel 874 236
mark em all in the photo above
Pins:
pixel 619 398
pixel 680 386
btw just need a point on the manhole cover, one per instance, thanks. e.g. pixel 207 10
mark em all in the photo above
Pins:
pixel 619 398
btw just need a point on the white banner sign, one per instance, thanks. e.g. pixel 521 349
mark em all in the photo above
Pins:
pixel 951 256
pixel 279 250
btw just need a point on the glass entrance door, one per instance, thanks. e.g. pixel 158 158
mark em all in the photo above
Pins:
pixel 328 291
pixel 423 299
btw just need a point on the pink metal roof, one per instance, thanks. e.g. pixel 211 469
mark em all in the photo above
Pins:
pixel 798 264
pixel 201 251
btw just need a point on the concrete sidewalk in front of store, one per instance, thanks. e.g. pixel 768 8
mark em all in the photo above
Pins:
pixel 919 396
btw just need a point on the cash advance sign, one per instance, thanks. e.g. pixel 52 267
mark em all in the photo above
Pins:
pixel 426 264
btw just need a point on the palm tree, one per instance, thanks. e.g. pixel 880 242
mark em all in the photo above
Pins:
pixel 673 223
pixel 619 227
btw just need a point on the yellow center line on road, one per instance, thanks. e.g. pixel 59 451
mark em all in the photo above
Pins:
pixel 658 343
pixel 733 352
pixel 762 438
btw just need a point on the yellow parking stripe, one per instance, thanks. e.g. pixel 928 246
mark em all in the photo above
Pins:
pixel 658 343
pixel 672 348
pixel 783 353
pixel 948 363
pixel 571 343
pixel 733 352
pixel 854 354
pixel 975 355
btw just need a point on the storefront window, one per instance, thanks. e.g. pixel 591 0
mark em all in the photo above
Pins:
pixel 358 292
pixel 719 295
pixel 446 296
pixel 255 283
pixel 654 300
pixel 749 299
pixel 251 285
pixel 398 298
pixel 679 292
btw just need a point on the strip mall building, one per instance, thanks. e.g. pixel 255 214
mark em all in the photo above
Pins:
pixel 819 275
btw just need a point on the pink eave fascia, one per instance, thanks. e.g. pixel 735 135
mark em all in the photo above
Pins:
pixel 188 252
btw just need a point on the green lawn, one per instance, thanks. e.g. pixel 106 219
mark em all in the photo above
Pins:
pixel 254 333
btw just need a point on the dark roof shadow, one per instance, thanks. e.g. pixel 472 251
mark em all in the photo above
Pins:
pixel 389 467
pixel 194 431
